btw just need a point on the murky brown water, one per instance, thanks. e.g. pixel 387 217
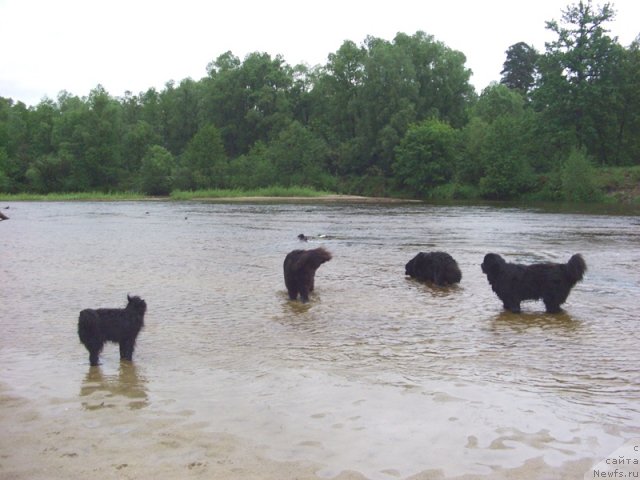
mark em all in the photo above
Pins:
pixel 378 374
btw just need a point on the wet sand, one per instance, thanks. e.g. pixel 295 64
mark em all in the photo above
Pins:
pixel 62 439
pixel 60 442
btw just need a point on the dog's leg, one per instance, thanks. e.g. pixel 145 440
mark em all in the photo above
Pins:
pixel 553 300
pixel 513 307
pixel 552 307
pixel 304 294
pixel 94 347
pixel 126 350
pixel 306 284
pixel 94 355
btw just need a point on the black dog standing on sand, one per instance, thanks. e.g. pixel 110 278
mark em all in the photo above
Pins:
pixel 435 267
pixel 551 282
pixel 118 325
pixel 300 270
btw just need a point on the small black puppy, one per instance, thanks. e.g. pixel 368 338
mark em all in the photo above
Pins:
pixel 118 325
pixel 551 282
pixel 300 270
pixel 436 267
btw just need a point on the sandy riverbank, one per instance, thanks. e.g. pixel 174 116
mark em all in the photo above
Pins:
pixel 60 438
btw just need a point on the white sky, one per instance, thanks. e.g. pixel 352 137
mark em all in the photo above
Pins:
pixel 51 45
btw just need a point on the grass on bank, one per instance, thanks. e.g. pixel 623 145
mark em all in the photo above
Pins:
pixel 622 184
pixel 613 185
pixel 259 192
pixel 175 195
pixel 74 196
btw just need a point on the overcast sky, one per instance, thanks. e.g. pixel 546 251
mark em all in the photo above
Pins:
pixel 51 45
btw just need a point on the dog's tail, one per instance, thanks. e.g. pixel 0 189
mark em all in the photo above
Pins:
pixel 576 266
pixel 87 328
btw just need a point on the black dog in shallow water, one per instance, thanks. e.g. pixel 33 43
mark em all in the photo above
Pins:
pixel 118 325
pixel 300 270
pixel 435 267
pixel 551 282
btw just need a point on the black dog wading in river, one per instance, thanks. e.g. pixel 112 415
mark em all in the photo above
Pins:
pixel 551 282
pixel 435 267
pixel 300 270
pixel 118 325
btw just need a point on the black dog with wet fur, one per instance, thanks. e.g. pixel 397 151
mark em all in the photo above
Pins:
pixel 435 267
pixel 551 282
pixel 300 270
pixel 118 325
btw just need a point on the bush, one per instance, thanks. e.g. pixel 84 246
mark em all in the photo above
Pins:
pixel 578 178
pixel 155 172
pixel 425 156
pixel 507 177
pixel 507 173
pixel 455 191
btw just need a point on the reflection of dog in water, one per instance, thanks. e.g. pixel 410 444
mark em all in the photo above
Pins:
pixel 551 282
pixel 300 270
pixel 118 325
pixel 103 391
pixel 435 267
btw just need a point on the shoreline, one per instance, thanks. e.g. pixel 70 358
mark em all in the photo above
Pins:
pixel 51 441
pixel 624 209
pixel 323 198
pixel 332 198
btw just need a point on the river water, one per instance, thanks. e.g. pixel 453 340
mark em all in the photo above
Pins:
pixel 377 377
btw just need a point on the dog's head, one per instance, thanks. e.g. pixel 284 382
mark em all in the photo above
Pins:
pixel 409 267
pixel 492 264
pixel 137 304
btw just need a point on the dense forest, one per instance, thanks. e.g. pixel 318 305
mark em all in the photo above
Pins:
pixel 380 118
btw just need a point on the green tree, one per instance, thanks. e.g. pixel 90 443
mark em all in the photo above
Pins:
pixel 179 114
pixel 248 101
pixel 336 107
pixel 204 162
pixel 627 127
pixel 497 100
pixel 426 156
pixel 151 111
pixel 519 69
pixel 5 180
pixel 507 173
pixel 156 171
pixel 137 139
pixel 443 79
pixel 89 134
pixel 368 95
pixel 578 178
pixel 49 173
pixel 14 133
pixel 577 90
pixel 299 158
pixel 40 123
pixel 470 167
pixel 254 169
pixel 68 137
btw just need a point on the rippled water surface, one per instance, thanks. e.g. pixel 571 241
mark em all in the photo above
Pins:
pixel 378 374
